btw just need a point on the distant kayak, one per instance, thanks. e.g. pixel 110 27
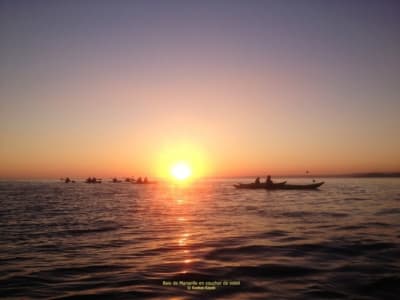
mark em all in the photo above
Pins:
pixel 93 180
pixel 279 186
pixel 148 182
pixel 254 185
pixel 295 186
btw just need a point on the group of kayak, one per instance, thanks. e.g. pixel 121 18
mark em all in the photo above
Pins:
pixel 270 185
pixel 114 180
pixel 135 181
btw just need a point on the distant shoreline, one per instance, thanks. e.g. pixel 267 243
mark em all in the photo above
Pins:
pixel 375 175
pixel 352 175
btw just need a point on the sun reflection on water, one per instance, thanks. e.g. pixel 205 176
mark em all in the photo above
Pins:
pixel 183 238
pixel 182 242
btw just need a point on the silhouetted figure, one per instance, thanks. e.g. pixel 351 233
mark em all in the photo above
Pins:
pixel 268 181
pixel 139 180
pixel 257 180
pixel 145 180
pixel 115 180
pixel 93 180
pixel 67 180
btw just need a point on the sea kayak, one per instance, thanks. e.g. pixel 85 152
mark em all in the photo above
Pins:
pixel 254 185
pixel 295 186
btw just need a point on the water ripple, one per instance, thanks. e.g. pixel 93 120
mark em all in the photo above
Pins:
pixel 122 241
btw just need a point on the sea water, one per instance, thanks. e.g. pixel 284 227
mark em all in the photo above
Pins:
pixel 204 240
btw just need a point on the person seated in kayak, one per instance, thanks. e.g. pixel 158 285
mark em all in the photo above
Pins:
pixel 268 181
pixel 257 180
pixel 139 180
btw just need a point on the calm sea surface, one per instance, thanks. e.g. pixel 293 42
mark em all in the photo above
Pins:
pixel 208 240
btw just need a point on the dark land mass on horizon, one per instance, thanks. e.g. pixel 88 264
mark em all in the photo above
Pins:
pixel 375 174
pixel 350 175
pixel 364 175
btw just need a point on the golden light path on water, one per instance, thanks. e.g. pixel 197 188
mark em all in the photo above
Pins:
pixel 187 211
pixel 183 241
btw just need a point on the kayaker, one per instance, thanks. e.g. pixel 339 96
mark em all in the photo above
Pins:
pixel 257 180
pixel 268 181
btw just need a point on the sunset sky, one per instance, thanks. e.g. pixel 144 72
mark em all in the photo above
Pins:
pixel 118 88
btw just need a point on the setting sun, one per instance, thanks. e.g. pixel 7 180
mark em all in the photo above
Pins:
pixel 181 171
pixel 181 161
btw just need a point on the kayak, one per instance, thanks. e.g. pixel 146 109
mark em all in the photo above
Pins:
pixel 279 186
pixel 254 185
pixel 295 186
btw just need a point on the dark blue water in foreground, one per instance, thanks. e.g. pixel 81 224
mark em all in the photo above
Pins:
pixel 122 241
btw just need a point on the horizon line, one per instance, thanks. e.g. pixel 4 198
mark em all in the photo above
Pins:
pixel 340 175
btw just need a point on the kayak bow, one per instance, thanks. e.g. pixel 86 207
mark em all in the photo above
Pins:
pixel 312 186
pixel 254 185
